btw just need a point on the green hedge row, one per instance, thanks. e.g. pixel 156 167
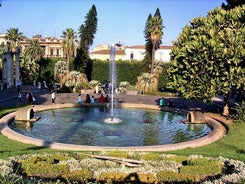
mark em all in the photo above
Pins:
pixel 126 71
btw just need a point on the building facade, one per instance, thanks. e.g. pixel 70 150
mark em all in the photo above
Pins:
pixel 130 53
pixel 51 46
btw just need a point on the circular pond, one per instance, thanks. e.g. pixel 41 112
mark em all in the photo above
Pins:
pixel 87 126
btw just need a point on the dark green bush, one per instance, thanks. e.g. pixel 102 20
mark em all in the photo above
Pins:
pixel 239 112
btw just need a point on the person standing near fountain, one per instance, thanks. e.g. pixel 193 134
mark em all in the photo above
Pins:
pixel 53 97
pixel 19 98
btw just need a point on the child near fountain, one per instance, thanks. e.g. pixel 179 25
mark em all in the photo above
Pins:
pixel 79 99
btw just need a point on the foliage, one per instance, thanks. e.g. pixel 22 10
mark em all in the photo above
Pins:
pixel 30 57
pixel 79 175
pixel 86 34
pixel 33 51
pixel 153 36
pixel 83 85
pixel 154 33
pixel 94 83
pixel 170 176
pixel 240 112
pixel 111 176
pixel 60 71
pixel 14 36
pixel 68 44
pixel 206 59
pixel 202 166
pixel 123 86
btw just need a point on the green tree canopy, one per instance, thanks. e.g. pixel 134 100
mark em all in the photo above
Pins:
pixel 14 36
pixel 86 35
pixel 33 51
pixel 153 36
pixel 68 44
pixel 208 56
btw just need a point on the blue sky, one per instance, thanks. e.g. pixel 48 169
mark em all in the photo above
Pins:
pixel 117 19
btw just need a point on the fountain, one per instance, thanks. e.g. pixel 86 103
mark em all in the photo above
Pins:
pixel 113 79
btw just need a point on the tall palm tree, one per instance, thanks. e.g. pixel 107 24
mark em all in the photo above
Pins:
pixel 155 33
pixel 14 36
pixel 68 44
pixel 34 51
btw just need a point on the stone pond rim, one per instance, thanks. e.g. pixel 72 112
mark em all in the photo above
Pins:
pixel 218 131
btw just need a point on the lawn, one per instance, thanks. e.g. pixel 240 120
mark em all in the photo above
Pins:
pixel 232 146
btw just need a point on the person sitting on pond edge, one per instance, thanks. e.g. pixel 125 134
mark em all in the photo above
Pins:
pixel 88 100
pixel 162 102
pixel 171 102
pixel 79 99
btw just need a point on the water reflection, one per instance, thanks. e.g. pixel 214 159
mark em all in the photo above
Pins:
pixel 85 126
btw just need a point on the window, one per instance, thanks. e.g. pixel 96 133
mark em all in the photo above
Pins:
pixel 51 52
pixel 58 52
pixel 131 56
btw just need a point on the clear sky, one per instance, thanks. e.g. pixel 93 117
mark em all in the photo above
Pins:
pixel 117 19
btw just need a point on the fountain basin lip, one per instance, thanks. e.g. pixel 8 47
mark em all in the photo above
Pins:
pixel 218 131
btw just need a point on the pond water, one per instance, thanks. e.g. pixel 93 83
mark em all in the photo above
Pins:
pixel 87 126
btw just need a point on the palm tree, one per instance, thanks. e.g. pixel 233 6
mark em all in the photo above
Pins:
pixel 14 36
pixel 155 33
pixel 68 44
pixel 34 51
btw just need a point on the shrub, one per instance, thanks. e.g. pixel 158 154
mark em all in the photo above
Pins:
pixel 45 166
pixel 170 176
pixel 147 178
pixel 140 178
pixel 201 166
pixel 44 169
pixel 111 176
pixel 78 175
pixel 240 112
pixel 83 85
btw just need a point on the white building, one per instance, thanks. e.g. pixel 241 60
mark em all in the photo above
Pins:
pixel 130 53
pixel 137 52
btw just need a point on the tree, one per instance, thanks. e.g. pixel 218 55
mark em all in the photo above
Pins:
pixel 86 35
pixel 30 57
pixel 14 36
pixel 68 44
pixel 148 46
pixel 233 3
pixel 60 71
pixel 208 56
pixel 34 51
pixel 154 33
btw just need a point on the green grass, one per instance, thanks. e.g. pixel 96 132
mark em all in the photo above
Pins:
pixel 231 146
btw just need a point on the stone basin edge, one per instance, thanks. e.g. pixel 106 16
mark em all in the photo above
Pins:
pixel 218 131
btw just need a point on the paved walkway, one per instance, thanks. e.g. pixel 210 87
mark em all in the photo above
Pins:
pixel 8 97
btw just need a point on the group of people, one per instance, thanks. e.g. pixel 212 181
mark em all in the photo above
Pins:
pixel 89 99
pixel 163 102
pixel 30 99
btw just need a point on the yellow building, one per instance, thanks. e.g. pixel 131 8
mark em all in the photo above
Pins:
pixel 102 52
pixel 51 46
